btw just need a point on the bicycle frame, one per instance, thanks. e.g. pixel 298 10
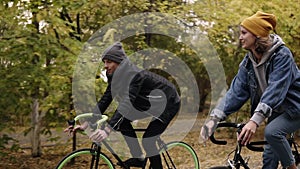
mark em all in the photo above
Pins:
pixel 160 142
pixel 96 150
pixel 96 147
pixel 238 160
pixel 109 148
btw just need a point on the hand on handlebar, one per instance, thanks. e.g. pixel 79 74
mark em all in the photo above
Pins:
pixel 208 128
pixel 98 135
pixel 247 132
pixel 71 129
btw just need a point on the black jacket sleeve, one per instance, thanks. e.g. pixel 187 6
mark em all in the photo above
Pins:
pixel 104 102
pixel 102 105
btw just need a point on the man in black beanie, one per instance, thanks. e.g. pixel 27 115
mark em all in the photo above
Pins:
pixel 140 94
pixel 114 53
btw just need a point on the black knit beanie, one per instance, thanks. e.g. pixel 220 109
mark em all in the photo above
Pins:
pixel 114 53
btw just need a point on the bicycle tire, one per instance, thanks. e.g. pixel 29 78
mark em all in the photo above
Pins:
pixel 183 156
pixel 82 159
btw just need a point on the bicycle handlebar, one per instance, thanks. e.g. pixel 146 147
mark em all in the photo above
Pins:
pixel 224 124
pixel 239 126
pixel 251 145
pixel 103 118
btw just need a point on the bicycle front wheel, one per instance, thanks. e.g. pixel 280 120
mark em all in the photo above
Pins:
pixel 82 158
pixel 179 155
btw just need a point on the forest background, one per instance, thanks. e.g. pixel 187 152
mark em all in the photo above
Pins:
pixel 40 42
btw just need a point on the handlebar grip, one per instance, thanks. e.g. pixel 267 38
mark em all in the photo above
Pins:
pixel 251 146
pixel 103 118
pixel 226 124
pixel 85 115
pixel 223 124
pixel 212 139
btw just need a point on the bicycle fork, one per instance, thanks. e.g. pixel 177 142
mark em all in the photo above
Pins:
pixel 166 156
pixel 238 161
pixel 95 151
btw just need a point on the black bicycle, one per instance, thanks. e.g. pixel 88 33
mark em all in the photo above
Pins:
pixel 94 157
pixel 237 160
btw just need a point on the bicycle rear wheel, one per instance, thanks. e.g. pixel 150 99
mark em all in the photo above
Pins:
pixel 179 155
pixel 82 159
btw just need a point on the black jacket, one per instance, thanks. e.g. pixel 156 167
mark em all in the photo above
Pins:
pixel 140 94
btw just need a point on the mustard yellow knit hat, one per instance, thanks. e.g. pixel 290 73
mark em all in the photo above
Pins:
pixel 260 24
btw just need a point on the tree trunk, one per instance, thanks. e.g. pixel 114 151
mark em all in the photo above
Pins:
pixel 36 128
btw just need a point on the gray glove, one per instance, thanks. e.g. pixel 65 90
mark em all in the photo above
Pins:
pixel 208 128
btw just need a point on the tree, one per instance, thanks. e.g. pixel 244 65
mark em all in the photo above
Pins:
pixel 40 41
pixel 39 56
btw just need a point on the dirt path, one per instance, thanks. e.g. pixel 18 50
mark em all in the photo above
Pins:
pixel 53 151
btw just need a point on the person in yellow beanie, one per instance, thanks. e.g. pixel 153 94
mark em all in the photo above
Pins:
pixel 260 24
pixel 270 78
